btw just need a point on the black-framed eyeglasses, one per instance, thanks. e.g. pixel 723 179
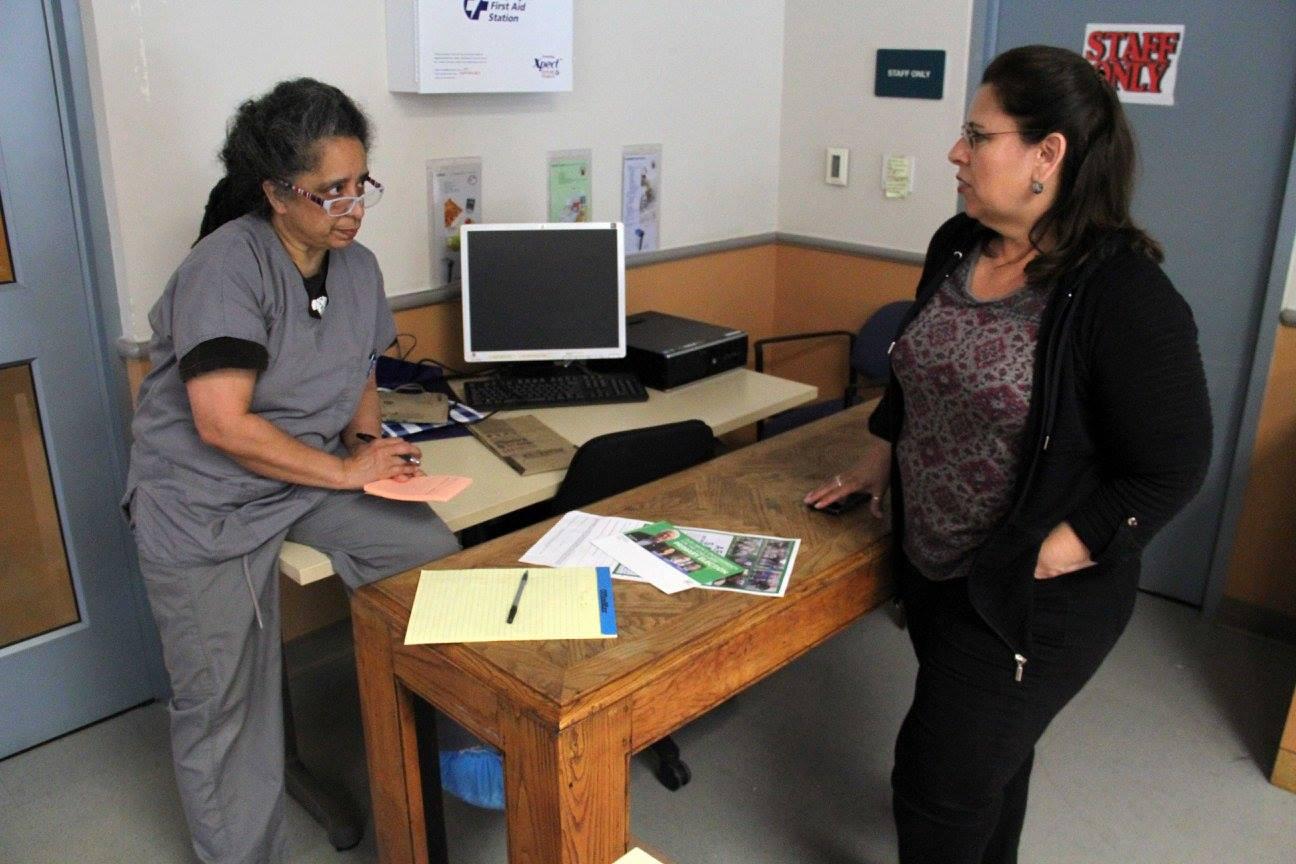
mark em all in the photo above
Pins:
pixel 972 136
pixel 340 206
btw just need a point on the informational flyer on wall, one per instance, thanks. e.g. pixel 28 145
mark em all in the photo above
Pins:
pixel 569 185
pixel 1140 60
pixel 641 197
pixel 480 46
pixel 454 200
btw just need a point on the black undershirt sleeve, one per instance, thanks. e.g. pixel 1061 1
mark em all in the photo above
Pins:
pixel 223 352
pixel 228 352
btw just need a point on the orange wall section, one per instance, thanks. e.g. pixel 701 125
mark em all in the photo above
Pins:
pixel 1264 550
pixel 732 289
pixel 822 290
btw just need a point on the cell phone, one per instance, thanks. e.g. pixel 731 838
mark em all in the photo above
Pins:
pixel 849 502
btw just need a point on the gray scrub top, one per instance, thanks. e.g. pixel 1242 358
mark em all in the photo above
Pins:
pixel 189 503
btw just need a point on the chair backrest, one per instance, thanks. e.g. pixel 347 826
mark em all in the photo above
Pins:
pixel 870 357
pixel 619 461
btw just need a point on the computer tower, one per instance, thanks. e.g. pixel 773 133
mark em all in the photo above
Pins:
pixel 666 351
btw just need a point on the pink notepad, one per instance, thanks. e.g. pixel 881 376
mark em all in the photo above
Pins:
pixel 433 487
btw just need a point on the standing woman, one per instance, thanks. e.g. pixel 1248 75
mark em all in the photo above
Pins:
pixel 1046 415
pixel 253 427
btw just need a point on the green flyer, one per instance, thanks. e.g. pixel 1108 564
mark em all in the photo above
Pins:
pixel 569 186
pixel 668 544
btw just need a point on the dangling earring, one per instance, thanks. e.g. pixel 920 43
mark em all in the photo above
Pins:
pixel 1037 187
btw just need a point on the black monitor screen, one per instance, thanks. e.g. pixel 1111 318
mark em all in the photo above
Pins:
pixel 543 292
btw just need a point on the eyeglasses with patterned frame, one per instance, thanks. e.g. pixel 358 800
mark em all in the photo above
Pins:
pixel 336 207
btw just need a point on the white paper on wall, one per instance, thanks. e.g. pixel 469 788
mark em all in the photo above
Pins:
pixel 641 197
pixel 454 200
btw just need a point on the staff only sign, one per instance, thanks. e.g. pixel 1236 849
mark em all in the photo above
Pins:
pixel 1140 60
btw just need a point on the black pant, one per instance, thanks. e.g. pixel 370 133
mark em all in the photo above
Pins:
pixel 964 752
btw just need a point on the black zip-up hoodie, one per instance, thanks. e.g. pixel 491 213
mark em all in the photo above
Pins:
pixel 1118 435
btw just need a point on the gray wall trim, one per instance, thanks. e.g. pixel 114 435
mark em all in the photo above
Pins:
pixel 897 255
pixel 423 298
pixel 132 349
pixel 1261 358
pixel 638 259
pixel 661 256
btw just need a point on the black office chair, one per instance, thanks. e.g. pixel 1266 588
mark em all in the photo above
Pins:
pixel 613 463
pixel 869 368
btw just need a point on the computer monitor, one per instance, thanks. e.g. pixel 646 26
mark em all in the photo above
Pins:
pixel 543 291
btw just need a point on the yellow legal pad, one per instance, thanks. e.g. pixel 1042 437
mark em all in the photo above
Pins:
pixel 473 605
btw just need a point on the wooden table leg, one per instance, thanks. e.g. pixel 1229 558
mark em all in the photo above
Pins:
pixel 567 792
pixel 388 715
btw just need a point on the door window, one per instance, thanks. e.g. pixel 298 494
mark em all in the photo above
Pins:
pixel 36 593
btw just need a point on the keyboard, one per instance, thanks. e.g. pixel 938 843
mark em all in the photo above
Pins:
pixel 506 393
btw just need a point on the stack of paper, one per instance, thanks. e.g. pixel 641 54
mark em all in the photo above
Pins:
pixel 764 563
pixel 425 487
pixel 661 549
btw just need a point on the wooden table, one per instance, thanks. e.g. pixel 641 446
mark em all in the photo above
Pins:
pixel 569 714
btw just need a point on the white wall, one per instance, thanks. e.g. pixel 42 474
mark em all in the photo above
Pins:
pixel 829 54
pixel 703 80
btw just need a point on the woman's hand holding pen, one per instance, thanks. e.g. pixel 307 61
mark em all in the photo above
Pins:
pixel 872 474
pixel 374 458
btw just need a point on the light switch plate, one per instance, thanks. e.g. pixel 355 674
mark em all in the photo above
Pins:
pixel 837 166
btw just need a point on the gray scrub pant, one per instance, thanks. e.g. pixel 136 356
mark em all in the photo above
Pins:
pixel 226 706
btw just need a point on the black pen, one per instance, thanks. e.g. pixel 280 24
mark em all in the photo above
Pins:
pixel 517 596
pixel 366 437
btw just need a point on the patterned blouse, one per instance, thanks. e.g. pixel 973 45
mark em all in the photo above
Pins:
pixel 966 369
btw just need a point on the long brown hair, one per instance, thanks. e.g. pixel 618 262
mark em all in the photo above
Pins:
pixel 1046 90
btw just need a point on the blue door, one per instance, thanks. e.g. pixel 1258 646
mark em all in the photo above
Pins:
pixel 1213 172
pixel 71 642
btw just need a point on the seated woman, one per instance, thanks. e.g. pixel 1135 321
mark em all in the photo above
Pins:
pixel 258 423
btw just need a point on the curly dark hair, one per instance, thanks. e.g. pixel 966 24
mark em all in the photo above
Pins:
pixel 1047 89
pixel 276 137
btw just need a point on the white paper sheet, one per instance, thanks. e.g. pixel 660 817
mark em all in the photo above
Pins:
pixel 567 544
pixel 649 567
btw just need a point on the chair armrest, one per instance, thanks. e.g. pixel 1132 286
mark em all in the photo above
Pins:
pixel 760 344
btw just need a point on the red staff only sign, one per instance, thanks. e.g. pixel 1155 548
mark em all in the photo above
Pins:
pixel 1140 60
